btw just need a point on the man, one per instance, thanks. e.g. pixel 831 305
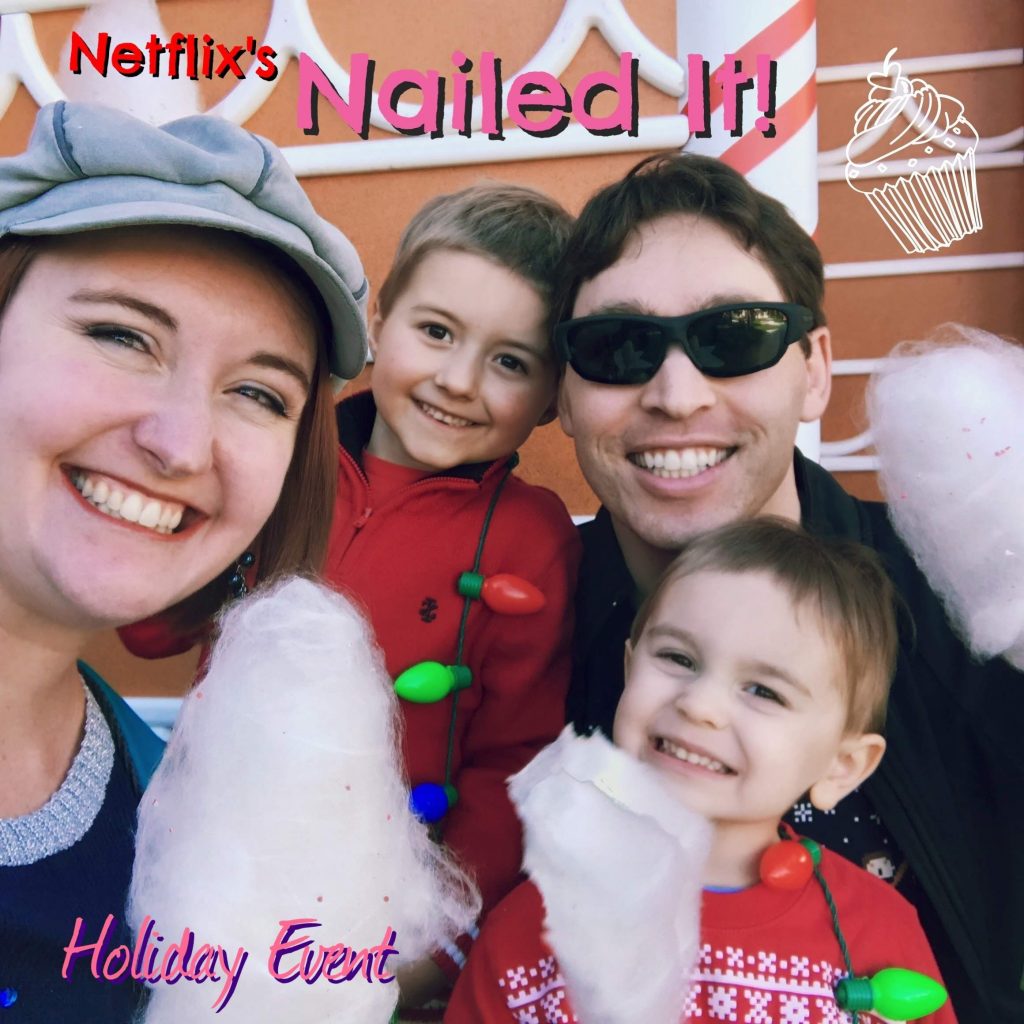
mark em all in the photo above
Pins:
pixel 680 426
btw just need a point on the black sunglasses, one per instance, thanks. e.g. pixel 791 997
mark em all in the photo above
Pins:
pixel 725 341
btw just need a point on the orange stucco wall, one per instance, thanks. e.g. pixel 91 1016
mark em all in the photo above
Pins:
pixel 867 316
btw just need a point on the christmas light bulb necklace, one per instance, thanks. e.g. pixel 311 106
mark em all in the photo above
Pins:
pixel 429 681
pixel 893 992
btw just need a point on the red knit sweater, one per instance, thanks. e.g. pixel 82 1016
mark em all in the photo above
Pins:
pixel 401 560
pixel 767 957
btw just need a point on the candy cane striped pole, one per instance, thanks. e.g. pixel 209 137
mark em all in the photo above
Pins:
pixel 786 165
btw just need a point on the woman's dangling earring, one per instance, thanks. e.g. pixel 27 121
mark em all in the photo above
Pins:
pixel 237 581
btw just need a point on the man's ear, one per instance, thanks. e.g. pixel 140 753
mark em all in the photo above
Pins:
pixel 373 328
pixel 856 759
pixel 818 364
pixel 563 405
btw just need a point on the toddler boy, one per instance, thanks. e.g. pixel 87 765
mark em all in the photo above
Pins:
pixel 756 672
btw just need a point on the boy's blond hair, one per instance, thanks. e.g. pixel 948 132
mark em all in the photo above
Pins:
pixel 516 227
pixel 843 582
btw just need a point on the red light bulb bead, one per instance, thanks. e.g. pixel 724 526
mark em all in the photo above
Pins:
pixel 502 593
pixel 789 864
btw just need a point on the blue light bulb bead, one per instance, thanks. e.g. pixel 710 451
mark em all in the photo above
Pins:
pixel 429 802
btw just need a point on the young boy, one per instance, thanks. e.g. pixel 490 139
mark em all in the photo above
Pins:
pixel 756 672
pixel 462 373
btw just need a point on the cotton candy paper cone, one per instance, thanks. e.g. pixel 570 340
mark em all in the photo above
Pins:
pixel 619 863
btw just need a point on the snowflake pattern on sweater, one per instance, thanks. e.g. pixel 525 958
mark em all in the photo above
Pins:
pixel 766 956
pixel 729 984
pixel 759 987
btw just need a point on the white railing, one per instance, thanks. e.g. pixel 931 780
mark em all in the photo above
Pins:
pixel 158 712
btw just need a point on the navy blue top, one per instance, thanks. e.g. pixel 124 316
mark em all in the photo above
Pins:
pixel 39 904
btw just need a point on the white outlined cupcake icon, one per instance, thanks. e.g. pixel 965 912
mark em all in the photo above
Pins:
pixel 921 135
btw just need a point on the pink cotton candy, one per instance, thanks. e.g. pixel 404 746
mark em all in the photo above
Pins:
pixel 947 417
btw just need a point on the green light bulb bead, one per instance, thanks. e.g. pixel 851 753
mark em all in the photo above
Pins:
pixel 429 681
pixel 470 584
pixel 813 849
pixel 894 992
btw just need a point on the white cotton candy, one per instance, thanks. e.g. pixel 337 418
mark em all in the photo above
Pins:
pixel 948 423
pixel 281 796
pixel 619 863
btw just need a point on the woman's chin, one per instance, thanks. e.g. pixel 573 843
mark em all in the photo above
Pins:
pixel 106 600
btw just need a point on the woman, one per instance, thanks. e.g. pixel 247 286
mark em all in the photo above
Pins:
pixel 171 308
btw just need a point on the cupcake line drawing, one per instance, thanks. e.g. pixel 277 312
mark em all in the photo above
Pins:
pixel 927 208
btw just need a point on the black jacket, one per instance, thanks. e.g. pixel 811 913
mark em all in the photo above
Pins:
pixel 950 788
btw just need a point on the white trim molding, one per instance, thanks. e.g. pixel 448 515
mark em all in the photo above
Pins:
pixel 924 265
pixel 993 151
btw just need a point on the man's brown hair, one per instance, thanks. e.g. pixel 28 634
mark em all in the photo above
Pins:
pixel 682 184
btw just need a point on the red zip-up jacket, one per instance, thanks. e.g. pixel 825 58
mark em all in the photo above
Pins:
pixel 401 561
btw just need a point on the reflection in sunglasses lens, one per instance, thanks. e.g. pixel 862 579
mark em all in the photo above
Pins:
pixel 623 351
pixel 723 343
pixel 735 341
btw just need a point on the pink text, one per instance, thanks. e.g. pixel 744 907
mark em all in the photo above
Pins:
pixel 532 92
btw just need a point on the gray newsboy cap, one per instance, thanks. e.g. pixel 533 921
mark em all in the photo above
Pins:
pixel 89 167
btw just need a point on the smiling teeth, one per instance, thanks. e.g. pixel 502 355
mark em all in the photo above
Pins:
pixel 682 754
pixel 443 417
pixel 119 503
pixel 676 463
